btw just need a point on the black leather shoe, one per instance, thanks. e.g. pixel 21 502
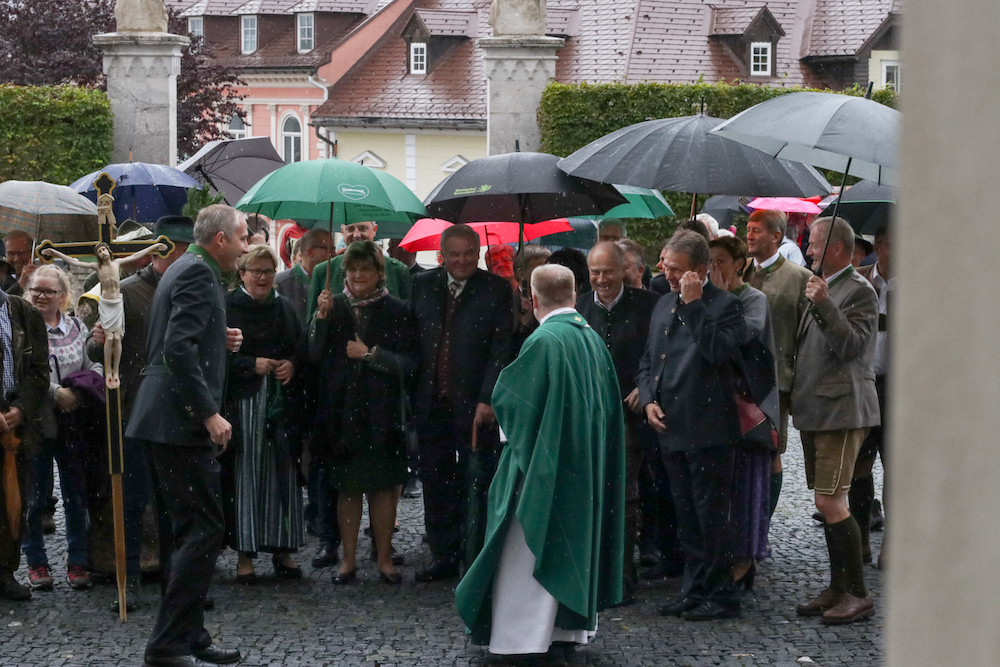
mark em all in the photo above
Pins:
pixel 391 579
pixel 176 661
pixel 438 570
pixel 711 611
pixel 325 557
pixel 678 606
pixel 286 572
pixel 344 578
pixel 218 655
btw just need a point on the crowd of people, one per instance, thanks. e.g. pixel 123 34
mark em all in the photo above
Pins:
pixel 635 421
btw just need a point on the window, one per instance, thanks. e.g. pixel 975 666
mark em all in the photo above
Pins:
pixel 890 74
pixel 418 58
pixel 760 59
pixel 291 139
pixel 196 26
pixel 249 41
pixel 306 32
pixel 236 129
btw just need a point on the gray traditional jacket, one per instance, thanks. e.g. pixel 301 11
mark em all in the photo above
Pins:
pixel 834 384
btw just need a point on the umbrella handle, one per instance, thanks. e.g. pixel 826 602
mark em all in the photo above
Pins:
pixel 694 203
pixel 836 207
pixel 328 266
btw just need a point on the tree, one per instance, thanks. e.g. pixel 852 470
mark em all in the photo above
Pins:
pixel 48 43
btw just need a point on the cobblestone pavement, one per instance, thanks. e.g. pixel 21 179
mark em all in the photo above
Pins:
pixel 311 622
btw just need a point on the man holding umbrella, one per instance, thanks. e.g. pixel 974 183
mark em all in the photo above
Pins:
pixel 834 403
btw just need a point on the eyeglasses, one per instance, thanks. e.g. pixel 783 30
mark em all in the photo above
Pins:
pixel 260 273
pixel 47 293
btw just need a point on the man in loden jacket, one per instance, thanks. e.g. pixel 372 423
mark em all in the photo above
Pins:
pixel 833 405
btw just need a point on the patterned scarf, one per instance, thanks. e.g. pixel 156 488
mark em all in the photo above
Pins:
pixel 357 304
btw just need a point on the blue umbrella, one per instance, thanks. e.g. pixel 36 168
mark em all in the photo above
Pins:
pixel 143 192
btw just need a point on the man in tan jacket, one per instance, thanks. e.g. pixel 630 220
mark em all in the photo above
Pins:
pixel 783 283
pixel 833 405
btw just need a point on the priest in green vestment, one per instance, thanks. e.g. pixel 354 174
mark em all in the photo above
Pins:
pixel 554 536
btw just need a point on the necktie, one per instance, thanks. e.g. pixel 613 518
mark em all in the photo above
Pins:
pixel 444 349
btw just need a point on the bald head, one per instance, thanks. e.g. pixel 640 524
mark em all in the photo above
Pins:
pixel 553 286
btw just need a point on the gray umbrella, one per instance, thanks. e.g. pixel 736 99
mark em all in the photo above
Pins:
pixel 846 134
pixel 232 167
pixel 866 205
pixel 680 155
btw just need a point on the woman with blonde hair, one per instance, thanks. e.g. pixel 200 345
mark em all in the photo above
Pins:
pixel 63 438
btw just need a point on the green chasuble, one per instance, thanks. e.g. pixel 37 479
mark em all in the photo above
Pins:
pixel 562 473
pixel 398 280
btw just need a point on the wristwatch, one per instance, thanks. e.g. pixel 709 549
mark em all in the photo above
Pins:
pixel 369 353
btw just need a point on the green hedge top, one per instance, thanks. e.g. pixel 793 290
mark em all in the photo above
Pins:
pixel 53 133
pixel 572 115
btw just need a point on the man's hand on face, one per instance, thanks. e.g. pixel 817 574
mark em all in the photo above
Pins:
pixel 691 289
pixel 817 290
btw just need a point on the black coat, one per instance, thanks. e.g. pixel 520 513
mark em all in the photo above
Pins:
pixel 359 401
pixel 624 330
pixel 689 368
pixel 185 375
pixel 270 328
pixel 481 336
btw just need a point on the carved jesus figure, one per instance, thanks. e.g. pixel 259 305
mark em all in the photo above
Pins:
pixel 111 312
pixel 518 17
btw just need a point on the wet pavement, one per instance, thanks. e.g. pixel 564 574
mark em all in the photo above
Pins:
pixel 310 622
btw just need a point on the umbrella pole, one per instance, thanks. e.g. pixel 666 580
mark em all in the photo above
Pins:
pixel 525 289
pixel 694 202
pixel 836 207
pixel 331 257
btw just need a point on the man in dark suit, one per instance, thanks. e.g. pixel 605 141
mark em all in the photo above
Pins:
pixel 465 317
pixel 620 315
pixel 685 388
pixel 177 416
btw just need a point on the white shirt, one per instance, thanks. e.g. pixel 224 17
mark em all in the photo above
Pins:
pixel 614 302
pixel 62 327
pixel 883 287
pixel 769 261
pixel 836 275
pixel 791 251
pixel 557 311
pixel 461 284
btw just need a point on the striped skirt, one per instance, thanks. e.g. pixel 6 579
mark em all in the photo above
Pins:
pixel 268 497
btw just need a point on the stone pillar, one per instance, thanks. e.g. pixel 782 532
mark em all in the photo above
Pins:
pixel 517 69
pixel 944 523
pixel 141 71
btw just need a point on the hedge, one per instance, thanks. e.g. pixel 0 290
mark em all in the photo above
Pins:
pixel 572 115
pixel 53 133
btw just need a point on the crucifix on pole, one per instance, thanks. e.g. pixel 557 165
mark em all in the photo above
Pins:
pixel 110 255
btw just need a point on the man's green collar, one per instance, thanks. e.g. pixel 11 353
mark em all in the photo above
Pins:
pixel 204 254
pixel 301 273
pixel 848 271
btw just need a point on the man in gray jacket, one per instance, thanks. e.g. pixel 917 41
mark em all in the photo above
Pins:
pixel 833 405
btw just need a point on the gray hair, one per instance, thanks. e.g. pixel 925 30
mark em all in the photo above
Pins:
pixel 554 285
pixel 532 252
pixel 214 219
pixel 773 221
pixel 460 231
pixel 691 244
pixel 842 232
pixel 633 248
pixel 616 251
pixel 313 238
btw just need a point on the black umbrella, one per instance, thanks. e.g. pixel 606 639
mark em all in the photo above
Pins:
pixel 232 167
pixel 724 208
pixel 866 205
pixel 518 187
pixel 679 154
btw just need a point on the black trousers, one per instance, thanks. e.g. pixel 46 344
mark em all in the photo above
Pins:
pixel 700 482
pixel 135 489
pixel 445 455
pixel 186 490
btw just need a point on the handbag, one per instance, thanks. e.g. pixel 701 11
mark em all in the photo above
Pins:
pixel 756 428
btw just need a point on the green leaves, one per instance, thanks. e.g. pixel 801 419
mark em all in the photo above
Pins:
pixel 53 133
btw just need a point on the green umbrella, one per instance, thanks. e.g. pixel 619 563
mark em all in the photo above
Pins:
pixel 642 203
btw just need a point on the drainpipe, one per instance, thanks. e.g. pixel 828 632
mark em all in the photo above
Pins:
pixel 326 95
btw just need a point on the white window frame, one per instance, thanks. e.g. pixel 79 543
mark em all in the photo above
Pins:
pixel 418 57
pixel 454 164
pixel 369 159
pixel 282 135
pixel 767 53
pixel 196 26
pixel 305 44
pixel 236 134
pixel 886 64
pixel 248 34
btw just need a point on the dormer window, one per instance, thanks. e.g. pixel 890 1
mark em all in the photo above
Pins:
pixel 760 59
pixel 305 28
pixel 196 26
pixel 418 58
pixel 248 41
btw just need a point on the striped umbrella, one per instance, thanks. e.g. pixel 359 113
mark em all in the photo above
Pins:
pixel 46 211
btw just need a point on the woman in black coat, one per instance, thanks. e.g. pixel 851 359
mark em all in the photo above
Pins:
pixel 261 492
pixel 367 345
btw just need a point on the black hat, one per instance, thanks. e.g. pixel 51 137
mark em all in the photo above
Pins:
pixel 177 228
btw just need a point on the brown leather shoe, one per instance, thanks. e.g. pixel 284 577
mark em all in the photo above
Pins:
pixel 849 609
pixel 825 600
